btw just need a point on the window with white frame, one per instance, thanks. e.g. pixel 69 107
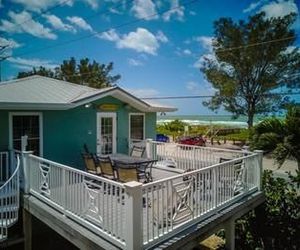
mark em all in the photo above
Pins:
pixel 26 124
pixel 137 126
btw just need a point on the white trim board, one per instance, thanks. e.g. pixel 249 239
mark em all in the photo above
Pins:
pixel 129 124
pixel 99 115
pixel 39 114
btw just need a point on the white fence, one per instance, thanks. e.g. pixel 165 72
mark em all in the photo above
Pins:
pixel 135 215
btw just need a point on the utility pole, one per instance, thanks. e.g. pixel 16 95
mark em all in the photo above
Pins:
pixel 3 57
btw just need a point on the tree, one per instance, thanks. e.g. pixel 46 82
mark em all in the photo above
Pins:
pixel 275 223
pixel 85 73
pixel 252 60
pixel 5 51
pixel 282 137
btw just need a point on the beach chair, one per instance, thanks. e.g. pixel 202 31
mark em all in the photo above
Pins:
pixel 106 167
pixel 126 172
pixel 137 151
pixel 90 164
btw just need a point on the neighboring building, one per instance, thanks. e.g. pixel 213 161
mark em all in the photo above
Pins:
pixel 60 117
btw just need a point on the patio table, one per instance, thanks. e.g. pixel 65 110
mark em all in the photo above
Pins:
pixel 142 164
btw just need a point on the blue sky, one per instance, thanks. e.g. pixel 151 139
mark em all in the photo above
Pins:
pixel 157 56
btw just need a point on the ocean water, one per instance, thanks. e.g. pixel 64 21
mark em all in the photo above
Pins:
pixel 224 120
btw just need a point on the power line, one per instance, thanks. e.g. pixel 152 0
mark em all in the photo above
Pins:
pixel 207 96
pixel 40 14
pixel 258 43
pixel 85 18
pixel 108 29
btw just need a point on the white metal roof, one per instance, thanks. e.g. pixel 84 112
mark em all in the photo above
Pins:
pixel 38 92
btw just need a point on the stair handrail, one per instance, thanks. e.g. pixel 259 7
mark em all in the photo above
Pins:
pixel 13 175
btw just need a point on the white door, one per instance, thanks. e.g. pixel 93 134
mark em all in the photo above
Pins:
pixel 106 133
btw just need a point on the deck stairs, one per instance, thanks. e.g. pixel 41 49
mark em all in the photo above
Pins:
pixel 9 193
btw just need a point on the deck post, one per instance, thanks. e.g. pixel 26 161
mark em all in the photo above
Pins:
pixel 149 151
pixel 230 235
pixel 133 215
pixel 25 169
pixel 27 229
pixel 260 167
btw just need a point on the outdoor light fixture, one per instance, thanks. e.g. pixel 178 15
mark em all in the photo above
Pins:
pixel 88 105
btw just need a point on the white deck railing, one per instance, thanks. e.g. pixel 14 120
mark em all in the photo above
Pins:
pixel 135 215
pixel 96 203
pixel 9 194
pixel 177 202
pixel 188 157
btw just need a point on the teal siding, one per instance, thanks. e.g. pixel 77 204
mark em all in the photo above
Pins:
pixel 150 121
pixel 65 132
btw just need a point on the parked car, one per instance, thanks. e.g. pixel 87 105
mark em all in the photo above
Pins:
pixel 192 140
pixel 162 138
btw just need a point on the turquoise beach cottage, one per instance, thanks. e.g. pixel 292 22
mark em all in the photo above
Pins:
pixel 60 117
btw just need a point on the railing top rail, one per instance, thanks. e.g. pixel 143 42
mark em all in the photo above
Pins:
pixel 13 175
pixel 207 148
pixel 98 178
pixel 182 175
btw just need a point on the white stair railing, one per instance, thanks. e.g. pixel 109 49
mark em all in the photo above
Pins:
pixel 9 198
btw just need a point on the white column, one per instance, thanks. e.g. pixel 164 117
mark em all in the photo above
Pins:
pixel 230 235
pixel 24 142
pixel 260 168
pixel 149 150
pixel 25 169
pixel 133 215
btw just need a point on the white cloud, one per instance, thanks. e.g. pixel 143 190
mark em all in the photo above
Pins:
pixel 143 92
pixel 93 3
pixel 23 63
pixel 206 42
pixel 140 40
pixel 37 5
pixel 204 59
pixel 144 9
pixel 115 11
pixel 79 22
pixel 183 52
pixel 176 11
pixel 161 37
pixel 110 35
pixel 197 88
pixel 252 6
pixel 7 46
pixel 10 42
pixel 58 24
pixel 134 62
pixel 22 23
pixel 186 52
pixel 279 8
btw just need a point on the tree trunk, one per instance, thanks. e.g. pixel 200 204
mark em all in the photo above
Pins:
pixel 250 119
